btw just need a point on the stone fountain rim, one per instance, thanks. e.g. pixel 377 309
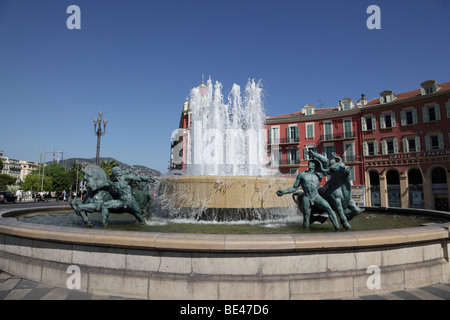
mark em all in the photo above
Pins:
pixel 223 242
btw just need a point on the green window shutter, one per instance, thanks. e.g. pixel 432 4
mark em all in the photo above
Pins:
pixel 403 118
pixel 418 143
pixel 447 106
pixel 425 114
pixel 405 145
pixel 393 119
pixel 382 122
pixel 441 140
pixel 395 145
pixel 414 114
pixel 437 110
pixel 383 147
pixel 427 143
pixel 363 124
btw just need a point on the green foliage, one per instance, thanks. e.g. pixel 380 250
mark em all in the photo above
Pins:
pixel 61 178
pixel 33 182
pixel 107 166
pixel 75 174
pixel 13 188
pixel 6 179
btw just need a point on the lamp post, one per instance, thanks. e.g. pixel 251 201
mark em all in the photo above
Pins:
pixel 98 132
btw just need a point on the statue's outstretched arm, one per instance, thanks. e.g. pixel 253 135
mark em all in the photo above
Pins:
pixel 293 188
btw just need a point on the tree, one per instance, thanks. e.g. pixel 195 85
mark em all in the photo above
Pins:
pixel 6 179
pixel 33 182
pixel 75 169
pixel 60 177
pixel 1 165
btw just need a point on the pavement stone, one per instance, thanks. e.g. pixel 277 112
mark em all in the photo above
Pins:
pixel 15 288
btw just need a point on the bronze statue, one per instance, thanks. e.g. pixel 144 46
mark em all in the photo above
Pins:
pixel 336 195
pixel 127 193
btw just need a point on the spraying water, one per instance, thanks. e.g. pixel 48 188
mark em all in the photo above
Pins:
pixel 227 139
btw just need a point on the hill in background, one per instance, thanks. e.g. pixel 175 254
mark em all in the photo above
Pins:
pixel 136 169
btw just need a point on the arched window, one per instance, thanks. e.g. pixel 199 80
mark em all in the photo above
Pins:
pixel 374 178
pixel 415 184
pixel 393 188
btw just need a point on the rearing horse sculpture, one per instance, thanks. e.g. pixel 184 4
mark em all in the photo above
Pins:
pixel 107 196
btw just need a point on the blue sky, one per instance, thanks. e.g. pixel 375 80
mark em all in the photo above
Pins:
pixel 136 61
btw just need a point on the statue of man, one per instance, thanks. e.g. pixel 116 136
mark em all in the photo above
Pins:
pixel 309 180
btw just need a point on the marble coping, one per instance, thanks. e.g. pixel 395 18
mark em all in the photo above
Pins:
pixel 221 242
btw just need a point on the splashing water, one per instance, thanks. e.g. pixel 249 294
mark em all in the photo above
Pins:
pixel 227 139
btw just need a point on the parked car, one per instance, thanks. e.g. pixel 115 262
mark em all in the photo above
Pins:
pixel 6 196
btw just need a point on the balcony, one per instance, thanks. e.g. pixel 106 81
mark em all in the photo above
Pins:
pixel 284 140
pixel 292 162
pixel 338 136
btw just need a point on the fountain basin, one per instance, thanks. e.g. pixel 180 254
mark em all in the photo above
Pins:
pixel 226 192
pixel 221 266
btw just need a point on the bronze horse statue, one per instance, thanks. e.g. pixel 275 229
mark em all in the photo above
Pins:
pixel 131 194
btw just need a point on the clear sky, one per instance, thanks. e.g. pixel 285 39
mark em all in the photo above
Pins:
pixel 137 60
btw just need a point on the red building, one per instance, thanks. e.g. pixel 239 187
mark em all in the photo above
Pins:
pixel 324 130
pixel 406 147
pixel 397 144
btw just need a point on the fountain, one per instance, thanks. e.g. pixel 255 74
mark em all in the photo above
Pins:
pixel 227 177
pixel 164 265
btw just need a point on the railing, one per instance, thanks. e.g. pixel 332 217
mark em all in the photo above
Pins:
pixel 284 140
pixel 285 162
pixel 337 136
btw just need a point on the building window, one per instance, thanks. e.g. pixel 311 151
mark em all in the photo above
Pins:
pixel 348 128
pixel 429 87
pixel 370 148
pixel 434 141
pixel 351 173
pixel 387 96
pixel 408 117
pixel 274 135
pixel 292 134
pixel 308 110
pixel 309 130
pixel 328 150
pixel 349 152
pixel 387 120
pixel 447 107
pixel 275 157
pixel 328 130
pixel 389 146
pixel 293 156
pixel 411 144
pixel 368 123
pixel 306 150
pixel 431 113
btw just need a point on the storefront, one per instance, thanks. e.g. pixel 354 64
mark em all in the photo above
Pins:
pixel 414 180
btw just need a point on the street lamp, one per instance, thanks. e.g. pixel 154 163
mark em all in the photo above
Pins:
pixel 98 132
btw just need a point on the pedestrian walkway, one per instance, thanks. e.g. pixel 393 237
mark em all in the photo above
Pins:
pixel 15 288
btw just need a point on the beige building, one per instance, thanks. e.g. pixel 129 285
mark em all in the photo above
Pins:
pixel 17 168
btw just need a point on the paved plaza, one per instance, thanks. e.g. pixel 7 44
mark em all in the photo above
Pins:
pixel 15 288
